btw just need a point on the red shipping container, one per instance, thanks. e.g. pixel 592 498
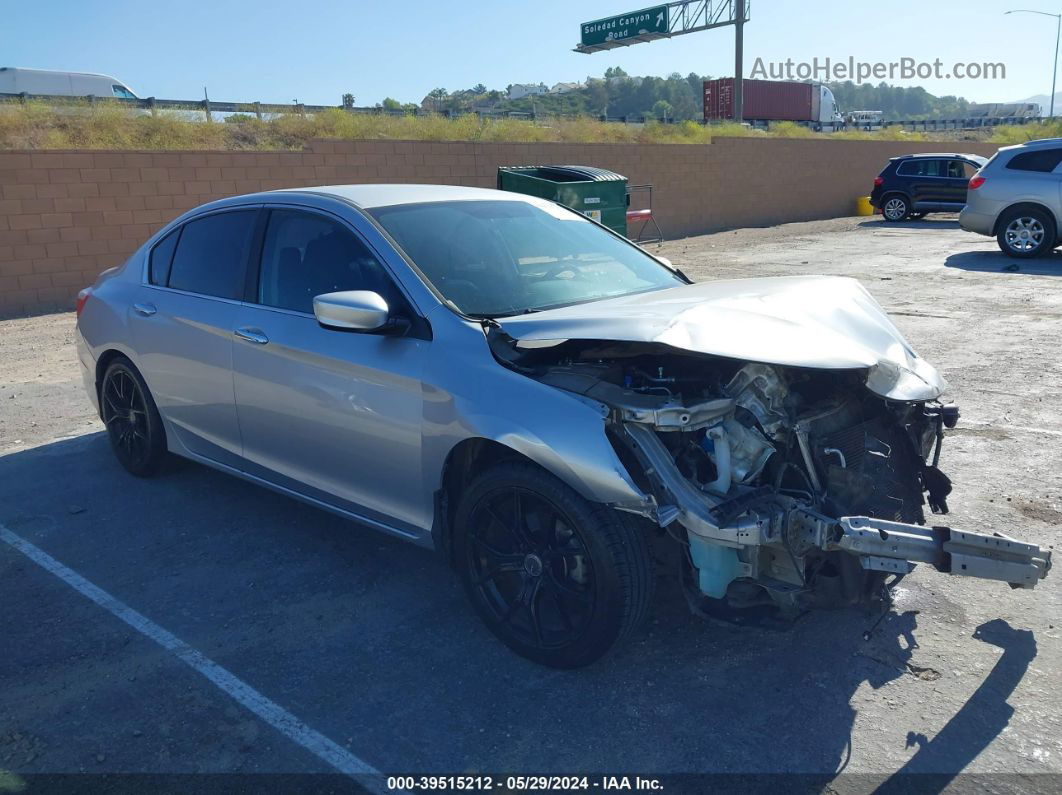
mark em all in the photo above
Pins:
pixel 770 100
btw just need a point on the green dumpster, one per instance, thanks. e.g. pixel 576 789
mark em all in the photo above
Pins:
pixel 595 192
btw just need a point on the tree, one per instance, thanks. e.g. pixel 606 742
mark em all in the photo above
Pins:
pixel 696 84
pixel 897 102
pixel 391 104
pixel 614 71
pixel 437 96
pixel 684 103
pixel 661 110
pixel 597 95
pixel 479 88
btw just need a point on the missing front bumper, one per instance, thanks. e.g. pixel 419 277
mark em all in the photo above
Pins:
pixel 792 529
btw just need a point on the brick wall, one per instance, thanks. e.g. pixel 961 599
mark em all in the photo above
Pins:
pixel 65 216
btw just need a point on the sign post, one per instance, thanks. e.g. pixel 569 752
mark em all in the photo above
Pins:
pixel 739 65
pixel 665 21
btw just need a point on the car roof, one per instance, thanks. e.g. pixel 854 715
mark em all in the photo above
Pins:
pixel 966 155
pixel 1034 144
pixel 377 195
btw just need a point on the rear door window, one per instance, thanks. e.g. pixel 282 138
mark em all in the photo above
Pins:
pixel 211 254
pixel 1043 160
pixel 955 169
pixel 921 168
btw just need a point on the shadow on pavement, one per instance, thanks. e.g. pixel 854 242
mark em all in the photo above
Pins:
pixel 365 637
pixel 924 223
pixel 982 717
pixel 998 262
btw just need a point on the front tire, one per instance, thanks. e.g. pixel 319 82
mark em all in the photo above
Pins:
pixel 134 426
pixel 1026 233
pixel 558 579
pixel 895 208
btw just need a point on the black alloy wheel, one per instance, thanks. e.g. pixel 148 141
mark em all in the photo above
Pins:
pixel 132 419
pixel 557 578
pixel 531 568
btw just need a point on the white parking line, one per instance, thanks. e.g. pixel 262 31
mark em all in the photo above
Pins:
pixel 269 711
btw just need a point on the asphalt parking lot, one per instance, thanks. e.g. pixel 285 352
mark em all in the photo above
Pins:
pixel 370 644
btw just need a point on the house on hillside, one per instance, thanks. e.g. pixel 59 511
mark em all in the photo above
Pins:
pixel 566 88
pixel 521 90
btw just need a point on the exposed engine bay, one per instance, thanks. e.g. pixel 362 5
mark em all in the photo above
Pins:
pixel 785 487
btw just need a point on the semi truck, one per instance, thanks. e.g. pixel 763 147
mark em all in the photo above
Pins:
pixel 764 101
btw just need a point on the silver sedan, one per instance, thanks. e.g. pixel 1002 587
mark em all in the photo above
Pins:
pixel 506 381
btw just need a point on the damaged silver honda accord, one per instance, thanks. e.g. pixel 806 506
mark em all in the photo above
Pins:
pixel 504 380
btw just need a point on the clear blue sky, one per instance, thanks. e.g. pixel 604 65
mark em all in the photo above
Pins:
pixel 316 50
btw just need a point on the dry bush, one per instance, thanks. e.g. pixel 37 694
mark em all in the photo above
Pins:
pixel 111 125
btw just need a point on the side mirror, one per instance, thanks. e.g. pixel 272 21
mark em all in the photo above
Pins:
pixel 351 310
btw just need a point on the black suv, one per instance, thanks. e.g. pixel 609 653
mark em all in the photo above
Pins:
pixel 911 186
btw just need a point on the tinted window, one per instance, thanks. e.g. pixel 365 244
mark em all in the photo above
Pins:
pixel 162 258
pixel 1039 160
pixel 921 168
pixel 211 254
pixel 955 169
pixel 307 255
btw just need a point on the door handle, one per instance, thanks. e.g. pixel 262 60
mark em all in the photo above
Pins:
pixel 251 335
pixel 147 310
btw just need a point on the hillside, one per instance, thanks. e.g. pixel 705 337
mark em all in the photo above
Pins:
pixel 674 97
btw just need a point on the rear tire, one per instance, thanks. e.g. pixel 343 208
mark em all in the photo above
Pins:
pixel 560 580
pixel 895 208
pixel 1026 233
pixel 134 426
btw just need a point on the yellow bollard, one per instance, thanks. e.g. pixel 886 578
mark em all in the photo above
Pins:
pixel 863 206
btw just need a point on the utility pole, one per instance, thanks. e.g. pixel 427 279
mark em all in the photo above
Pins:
pixel 1058 33
pixel 739 25
pixel 1054 73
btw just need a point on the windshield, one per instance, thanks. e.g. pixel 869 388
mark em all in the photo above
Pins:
pixel 497 258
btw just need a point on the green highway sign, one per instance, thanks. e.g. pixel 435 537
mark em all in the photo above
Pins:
pixel 650 22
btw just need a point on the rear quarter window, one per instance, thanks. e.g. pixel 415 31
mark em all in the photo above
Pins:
pixel 211 255
pixel 1042 160
pixel 161 259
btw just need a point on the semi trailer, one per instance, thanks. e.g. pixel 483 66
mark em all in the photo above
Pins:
pixel 765 101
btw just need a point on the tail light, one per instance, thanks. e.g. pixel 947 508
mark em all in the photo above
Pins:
pixel 976 182
pixel 82 297
pixel 879 181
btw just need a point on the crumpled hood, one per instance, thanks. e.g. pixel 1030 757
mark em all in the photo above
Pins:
pixel 823 322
